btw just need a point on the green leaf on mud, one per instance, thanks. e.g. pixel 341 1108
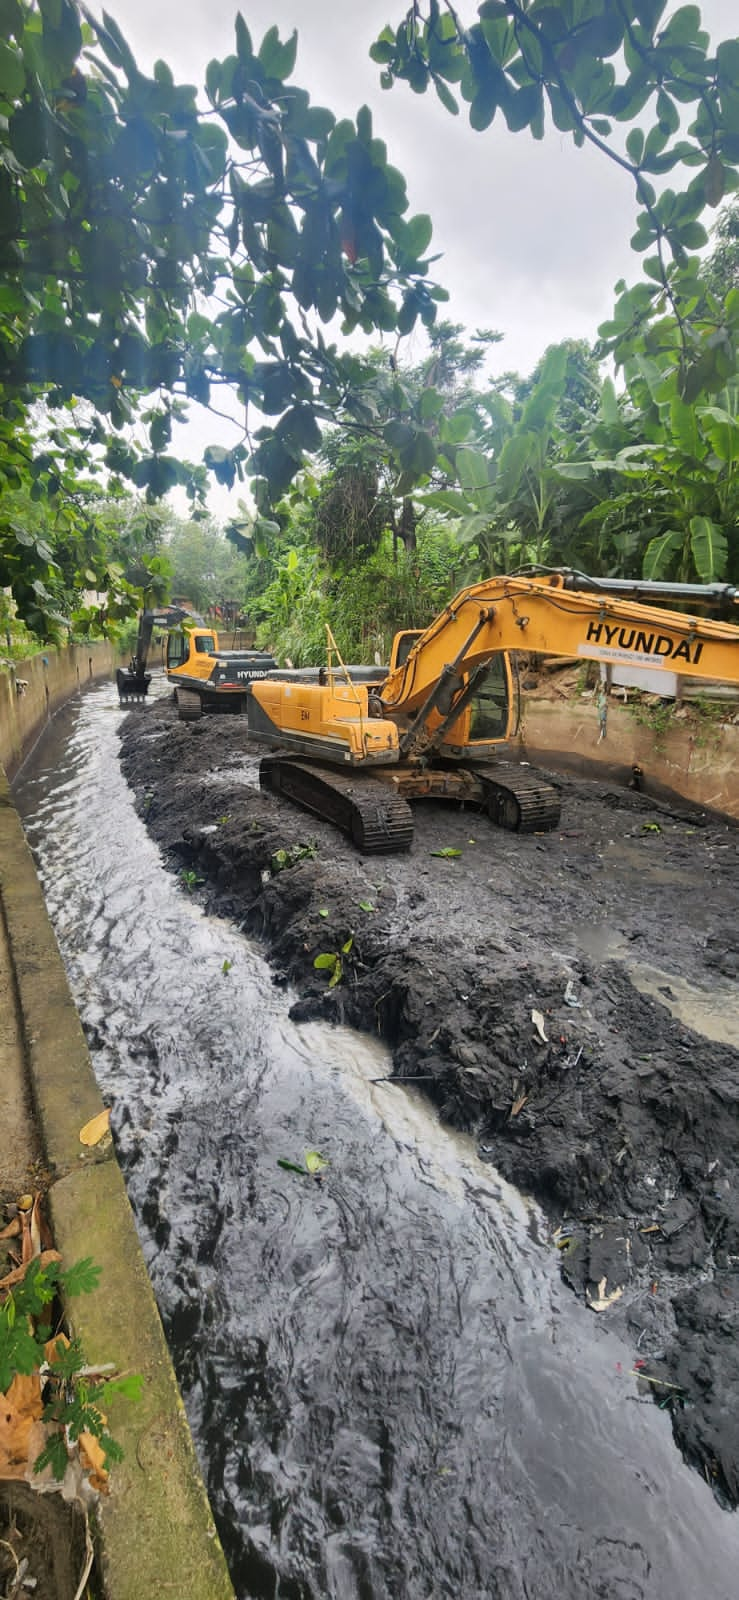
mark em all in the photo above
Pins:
pixel 290 1166
pixel 651 827
pixel 326 961
pixel 366 905
pixel 314 1162
pixel 324 911
pixel 447 854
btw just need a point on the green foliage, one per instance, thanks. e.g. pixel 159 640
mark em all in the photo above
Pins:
pixel 204 564
pixel 74 1401
pixel 332 962
pixel 721 270
pixel 656 715
pixel 590 68
pixel 122 205
pixel 662 480
pixel 281 859
pixel 190 879
pixel 125 205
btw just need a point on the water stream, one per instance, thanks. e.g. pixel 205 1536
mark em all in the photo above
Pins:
pixel 392 1395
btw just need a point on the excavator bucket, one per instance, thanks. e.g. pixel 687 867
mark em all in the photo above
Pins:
pixel 133 687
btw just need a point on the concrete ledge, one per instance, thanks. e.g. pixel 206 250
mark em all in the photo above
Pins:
pixel 32 690
pixel 699 763
pixel 156 1533
pixel 157 1536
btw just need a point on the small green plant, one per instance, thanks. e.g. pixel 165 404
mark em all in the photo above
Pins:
pixel 707 718
pixel 75 1397
pixel 290 858
pixel 331 961
pixel 226 968
pixel 651 827
pixel 448 854
pixel 366 905
pixel 223 820
pixel 315 1164
pixel 658 718
pixel 324 911
pixel 190 880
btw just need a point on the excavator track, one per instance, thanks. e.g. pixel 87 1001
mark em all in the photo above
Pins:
pixel 189 705
pixel 376 819
pixel 519 800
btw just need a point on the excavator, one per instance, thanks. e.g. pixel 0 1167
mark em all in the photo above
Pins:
pixel 204 677
pixel 355 746
pixel 133 681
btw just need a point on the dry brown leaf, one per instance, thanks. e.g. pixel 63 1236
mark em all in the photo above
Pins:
pixel 20 1409
pixel 92 1457
pixel 51 1344
pixel 19 1273
pixel 27 1251
pixel 518 1104
pixel 36 1225
pixel 12 1230
pixel 96 1128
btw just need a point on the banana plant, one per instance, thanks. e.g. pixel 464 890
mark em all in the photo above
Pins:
pixel 674 486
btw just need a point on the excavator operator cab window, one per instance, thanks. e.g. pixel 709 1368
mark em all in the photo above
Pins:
pixel 178 649
pixel 490 705
pixel 205 644
pixel 402 645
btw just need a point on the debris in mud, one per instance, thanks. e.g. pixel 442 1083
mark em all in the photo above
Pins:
pixel 496 987
pixel 603 1299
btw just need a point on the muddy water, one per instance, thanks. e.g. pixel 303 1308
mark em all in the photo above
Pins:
pixel 392 1396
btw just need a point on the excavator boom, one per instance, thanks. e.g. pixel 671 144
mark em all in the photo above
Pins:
pixel 548 615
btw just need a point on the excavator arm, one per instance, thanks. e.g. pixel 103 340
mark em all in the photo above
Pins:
pixel 133 682
pixel 562 614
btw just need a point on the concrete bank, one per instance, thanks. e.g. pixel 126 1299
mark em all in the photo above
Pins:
pixel 32 690
pixel 155 1530
pixel 686 752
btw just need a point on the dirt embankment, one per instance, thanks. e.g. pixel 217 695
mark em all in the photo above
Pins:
pixel 501 979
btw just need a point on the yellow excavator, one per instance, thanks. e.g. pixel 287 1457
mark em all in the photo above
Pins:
pixel 354 746
pixel 203 676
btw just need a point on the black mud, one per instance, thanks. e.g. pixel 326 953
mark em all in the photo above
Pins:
pixel 622 1121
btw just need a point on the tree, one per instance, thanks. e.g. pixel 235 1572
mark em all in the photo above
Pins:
pixel 721 270
pixel 154 249
pixel 663 480
pixel 129 215
pixel 206 569
pixel 592 66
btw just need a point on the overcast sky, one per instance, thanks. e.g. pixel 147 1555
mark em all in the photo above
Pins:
pixel 533 236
